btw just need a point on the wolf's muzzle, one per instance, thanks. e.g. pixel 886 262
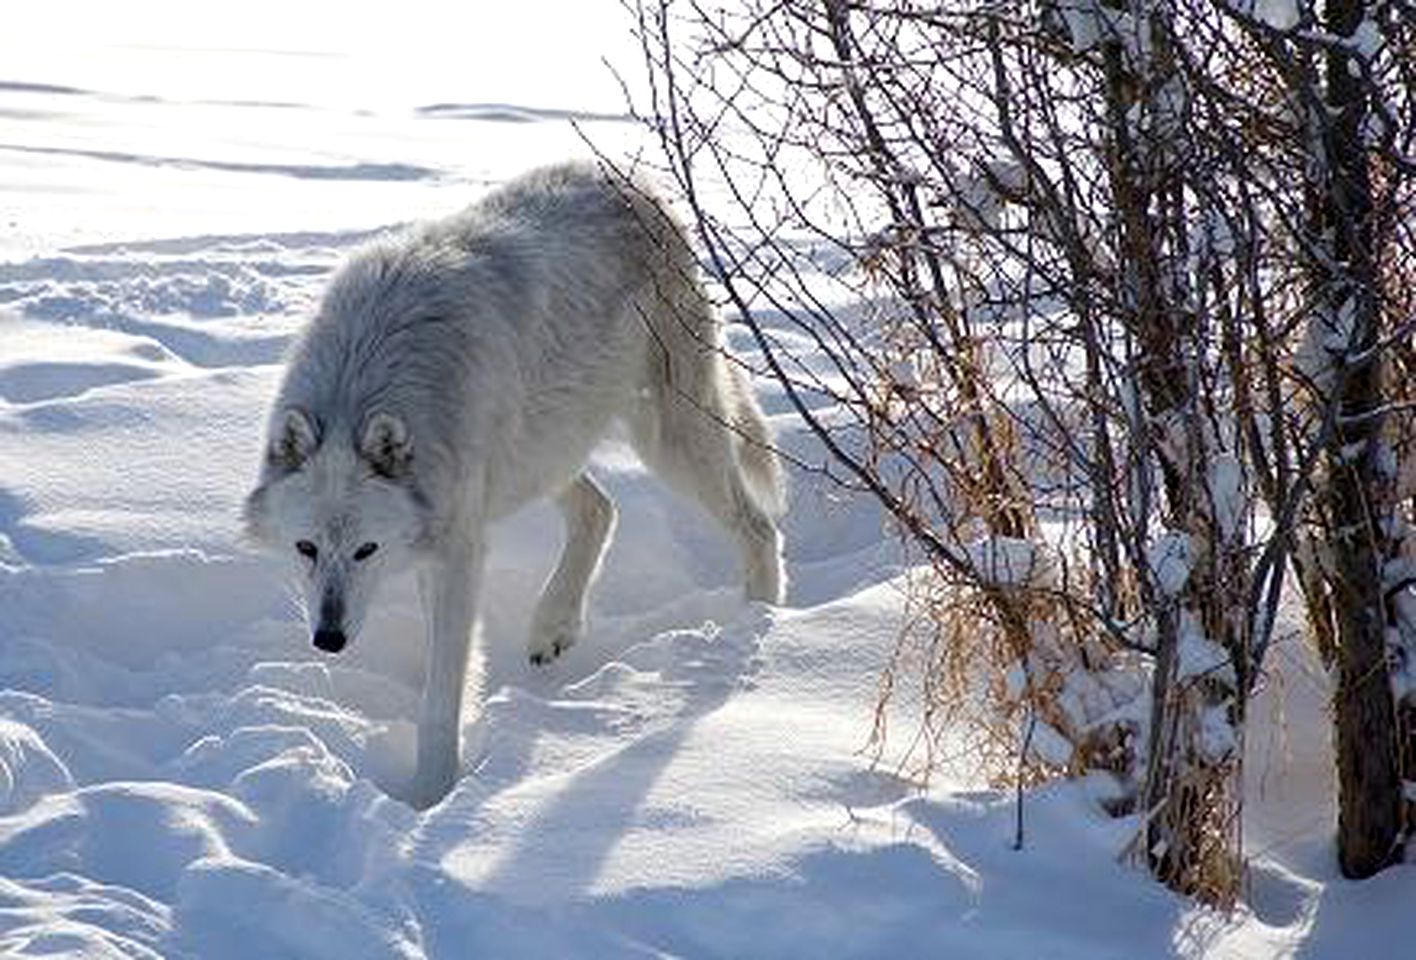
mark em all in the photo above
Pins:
pixel 329 636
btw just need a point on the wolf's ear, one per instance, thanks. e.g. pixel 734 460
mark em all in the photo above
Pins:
pixel 254 517
pixel 386 446
pixel 293 440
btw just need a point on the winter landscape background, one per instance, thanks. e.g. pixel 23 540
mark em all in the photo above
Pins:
pixel 182 775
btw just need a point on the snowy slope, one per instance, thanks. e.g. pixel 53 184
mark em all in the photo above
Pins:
pixel 182 775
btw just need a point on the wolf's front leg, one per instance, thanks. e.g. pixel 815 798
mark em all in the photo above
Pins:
pixel 449 589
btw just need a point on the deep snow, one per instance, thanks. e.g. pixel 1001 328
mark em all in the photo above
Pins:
pixel 182 775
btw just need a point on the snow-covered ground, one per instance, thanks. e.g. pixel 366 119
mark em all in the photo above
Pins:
pixel 182 775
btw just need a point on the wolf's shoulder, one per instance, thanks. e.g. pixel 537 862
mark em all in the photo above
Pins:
pixel 573 197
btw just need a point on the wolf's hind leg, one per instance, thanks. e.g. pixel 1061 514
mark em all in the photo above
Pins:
pixel 559 620
pixel 693 451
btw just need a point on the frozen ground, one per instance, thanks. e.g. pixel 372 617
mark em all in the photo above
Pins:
pixel 181 775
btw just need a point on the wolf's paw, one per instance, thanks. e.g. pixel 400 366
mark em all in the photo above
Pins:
pixel 424 795
pixel 428 788
pixel 551 639
pixel 766 578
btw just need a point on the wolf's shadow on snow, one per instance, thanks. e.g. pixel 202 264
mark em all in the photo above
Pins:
pixel 560 850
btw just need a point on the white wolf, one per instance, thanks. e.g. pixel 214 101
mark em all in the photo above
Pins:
pixel 469 365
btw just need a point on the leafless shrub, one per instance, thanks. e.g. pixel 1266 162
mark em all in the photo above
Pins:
pixel 1041 277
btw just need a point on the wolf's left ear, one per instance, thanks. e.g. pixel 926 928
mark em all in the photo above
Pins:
pixel 386 446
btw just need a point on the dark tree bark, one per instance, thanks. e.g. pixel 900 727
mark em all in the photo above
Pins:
pixel 1369 781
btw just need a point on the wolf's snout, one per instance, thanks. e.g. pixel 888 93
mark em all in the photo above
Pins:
pixel 330 641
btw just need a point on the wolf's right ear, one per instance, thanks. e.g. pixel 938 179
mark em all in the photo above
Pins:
pixel 254 518
pixel 293 440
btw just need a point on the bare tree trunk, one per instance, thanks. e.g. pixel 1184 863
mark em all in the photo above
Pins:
pixel 1187 791
pixel 1369 782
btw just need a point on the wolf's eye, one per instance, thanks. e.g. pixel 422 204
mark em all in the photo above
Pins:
pixel 365 551
pixel 306 549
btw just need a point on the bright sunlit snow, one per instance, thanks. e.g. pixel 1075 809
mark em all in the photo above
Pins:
pixel 182 775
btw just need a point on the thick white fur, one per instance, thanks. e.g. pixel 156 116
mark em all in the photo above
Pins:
pixel 469 365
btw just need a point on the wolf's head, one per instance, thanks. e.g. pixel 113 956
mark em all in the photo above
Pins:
pixel 344 512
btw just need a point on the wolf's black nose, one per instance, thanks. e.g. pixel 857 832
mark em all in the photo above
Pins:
pixel 330 641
